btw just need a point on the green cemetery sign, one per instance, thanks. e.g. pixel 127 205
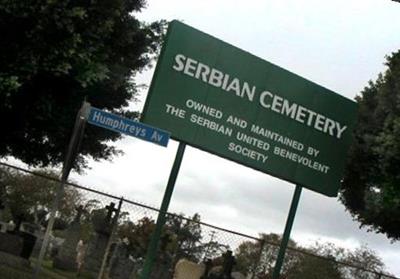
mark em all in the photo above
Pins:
pixel 226 101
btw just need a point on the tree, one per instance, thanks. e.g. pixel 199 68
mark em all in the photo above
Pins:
pixel 333 262
pixel 185 237
pixel 370 186
pixel 367 259
pixel 249 259
pixel 247 255
pixel 29 197
pixel 321 260
pixel 362 262
pixel 54 54
pixel 309 267
pixel 138 234
pixel 318 261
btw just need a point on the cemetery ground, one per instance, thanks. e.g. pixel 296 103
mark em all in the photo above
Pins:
pixel 47 272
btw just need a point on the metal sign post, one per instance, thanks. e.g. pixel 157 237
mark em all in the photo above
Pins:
pixel 108 247
pixel 155 237
pixel 286 234
pixel 73 148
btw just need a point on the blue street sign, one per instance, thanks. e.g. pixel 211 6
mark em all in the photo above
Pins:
pixel 128 126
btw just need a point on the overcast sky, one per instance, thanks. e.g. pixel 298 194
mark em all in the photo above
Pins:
pixel 338 44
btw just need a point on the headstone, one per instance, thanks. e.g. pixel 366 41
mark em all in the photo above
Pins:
pixel 94 256
pixel 161 270
pixel 215 272
pixel 29 232
pixel 237 275
pixel 185 269
pixel 29 228
pixel 121 264
pixel 164 263
pixel 98 242
pixel 11 247
pixel 55 244
pixel 110 210
pixel 11 243
pixel 223 271
pixel 3 227
pixel 15 245
pixel 2 207
pixel 66 255
pixel 227 266
pixel 208 265
pixel 80 255
pixel 11 226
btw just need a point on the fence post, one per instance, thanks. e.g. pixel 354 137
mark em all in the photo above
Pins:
pixel 114 227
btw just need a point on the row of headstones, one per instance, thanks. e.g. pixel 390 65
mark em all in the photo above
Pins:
pixel 185 269
pixel 74 253
pixel 18 242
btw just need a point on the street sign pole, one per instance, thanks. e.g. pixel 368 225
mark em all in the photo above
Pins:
pixel 155 237
pixel 73 148
pixel 286 234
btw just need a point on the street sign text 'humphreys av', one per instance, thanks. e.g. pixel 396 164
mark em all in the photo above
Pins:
pixel 226 101
pixel 127 126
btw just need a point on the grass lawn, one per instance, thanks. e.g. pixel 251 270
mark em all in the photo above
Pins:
pixel 47 272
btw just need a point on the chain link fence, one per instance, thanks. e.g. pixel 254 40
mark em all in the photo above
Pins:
pixel 99 235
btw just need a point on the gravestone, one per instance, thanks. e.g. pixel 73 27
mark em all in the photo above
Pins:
pixel 164 265
pixel 98 242
pixel 29 233
pixel 237 275
pixel 228 263
pixel 81 248
pixel 224 271
pixel 2 207
pixel 3 227
pixel 11 226
pixel 121 264
pixel 185 269
pixel 66 255
pixel 15 244
pixel 11 244
pixel 208 266
pixel 161 270
pixel 14 250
